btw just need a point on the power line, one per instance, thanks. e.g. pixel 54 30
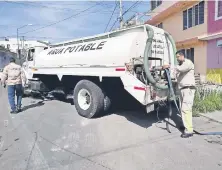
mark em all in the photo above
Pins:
pixel 38 5
pixel 36 37
pixel 132 6
pixel 93 12
pixel 113 25
pixel 111 17
pixel 104 5
pixel 72 16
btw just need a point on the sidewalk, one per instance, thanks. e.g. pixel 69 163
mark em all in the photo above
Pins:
pixel 214 116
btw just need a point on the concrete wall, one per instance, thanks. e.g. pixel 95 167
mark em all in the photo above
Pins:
pixel 200 58
pixel 213 25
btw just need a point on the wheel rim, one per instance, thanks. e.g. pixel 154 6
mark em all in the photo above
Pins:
pixel 84 99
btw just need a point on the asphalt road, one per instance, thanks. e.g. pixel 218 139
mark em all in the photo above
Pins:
pixel 51 135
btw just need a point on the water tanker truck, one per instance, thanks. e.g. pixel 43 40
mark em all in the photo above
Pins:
pixel 97 71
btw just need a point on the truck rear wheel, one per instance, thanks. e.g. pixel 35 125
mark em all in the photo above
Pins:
pixel 88 99
pixel 107 103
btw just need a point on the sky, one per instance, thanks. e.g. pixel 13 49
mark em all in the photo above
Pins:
pixel 58 21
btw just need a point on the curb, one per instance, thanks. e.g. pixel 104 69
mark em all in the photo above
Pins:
pixel 210 118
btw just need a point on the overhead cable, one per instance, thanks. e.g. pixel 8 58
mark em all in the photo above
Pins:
pixel 38 5
pixel 131 7
pixel 111 17
pixel 54 23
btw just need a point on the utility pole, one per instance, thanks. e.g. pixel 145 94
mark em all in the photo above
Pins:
pixel 137 18
pixel 19 40
pixel 18 54
pixel 120 14
pixel 22 42
pixel 23 47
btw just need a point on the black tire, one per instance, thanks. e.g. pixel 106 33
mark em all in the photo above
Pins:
pixel 97 99
pixel 107 103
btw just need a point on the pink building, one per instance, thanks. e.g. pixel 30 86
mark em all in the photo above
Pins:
pixel 196 27
pixel 214 41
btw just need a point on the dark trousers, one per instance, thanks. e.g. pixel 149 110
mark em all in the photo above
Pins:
pixel 12 91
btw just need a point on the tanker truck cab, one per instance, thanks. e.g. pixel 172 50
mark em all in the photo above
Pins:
pixel 106 69
pixel 30 58
pixel 28 65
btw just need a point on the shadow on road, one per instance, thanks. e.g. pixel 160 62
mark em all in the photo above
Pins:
pixel 136 114
pixel 132 110
pixel 34 105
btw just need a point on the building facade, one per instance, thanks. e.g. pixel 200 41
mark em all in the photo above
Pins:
pixel 192 23
pixel 214 41
pixel 12 44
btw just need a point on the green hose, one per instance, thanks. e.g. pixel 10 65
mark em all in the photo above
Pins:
pixel 173 45
pixel 147 53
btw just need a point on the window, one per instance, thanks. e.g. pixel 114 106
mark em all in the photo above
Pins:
pixel 201 12
pixel 193 16
pixel 196 16
pixel 155 4
pixel 8 46
pixel 185 20
pixel 218 9
pixel 190 17
pixel 31 54
pixel 189 53
pixel 160 25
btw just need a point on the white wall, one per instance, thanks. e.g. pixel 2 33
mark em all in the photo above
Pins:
pixel 14 46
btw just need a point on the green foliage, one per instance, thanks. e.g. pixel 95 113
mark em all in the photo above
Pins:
pixel 207 100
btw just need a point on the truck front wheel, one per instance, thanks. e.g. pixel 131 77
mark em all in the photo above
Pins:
pixel 88 99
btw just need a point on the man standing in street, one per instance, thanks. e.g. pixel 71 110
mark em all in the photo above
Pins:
pixel 186 84
pixel 14 76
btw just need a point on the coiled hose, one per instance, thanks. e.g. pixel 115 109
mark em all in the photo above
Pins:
pixel 147 53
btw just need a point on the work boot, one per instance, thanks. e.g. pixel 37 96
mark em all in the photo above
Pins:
pixel 181 128
pixel 186 135
pixel 13 112
pixel 19 110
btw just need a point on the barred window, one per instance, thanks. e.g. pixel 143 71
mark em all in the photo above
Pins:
pixel 155 4
pixel 218 9
pixel 193 16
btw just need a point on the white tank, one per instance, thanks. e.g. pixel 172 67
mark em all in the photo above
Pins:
pixel 110 49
